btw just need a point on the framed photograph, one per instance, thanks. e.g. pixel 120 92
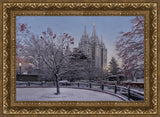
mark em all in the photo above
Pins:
pixel 72 58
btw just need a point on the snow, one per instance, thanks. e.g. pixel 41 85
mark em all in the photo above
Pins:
pixel 67 94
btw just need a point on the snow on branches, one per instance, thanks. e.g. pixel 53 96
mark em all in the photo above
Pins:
pixel 48 47
pixel 47 52
pixel 130 47
pixel 22 32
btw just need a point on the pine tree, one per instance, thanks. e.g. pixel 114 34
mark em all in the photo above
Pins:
pixel 113 66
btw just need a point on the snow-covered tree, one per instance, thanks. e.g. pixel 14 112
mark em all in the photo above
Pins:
pixel 90 70
pixel 130 47
pixel 113 66
pixel 47 53
pixel 83 67
pixel 22 32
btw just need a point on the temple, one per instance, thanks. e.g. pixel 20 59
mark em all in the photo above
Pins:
pixel 94 48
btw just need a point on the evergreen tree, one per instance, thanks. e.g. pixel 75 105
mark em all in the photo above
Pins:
pixel 113 66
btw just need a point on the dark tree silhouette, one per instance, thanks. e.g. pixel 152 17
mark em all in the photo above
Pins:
pixel 113 66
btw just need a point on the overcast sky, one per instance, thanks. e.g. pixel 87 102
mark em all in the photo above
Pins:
pixel 106 26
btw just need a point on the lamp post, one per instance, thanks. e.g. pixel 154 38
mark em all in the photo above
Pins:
pixel 20 65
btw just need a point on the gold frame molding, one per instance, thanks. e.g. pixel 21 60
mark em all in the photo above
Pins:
pixel 10 107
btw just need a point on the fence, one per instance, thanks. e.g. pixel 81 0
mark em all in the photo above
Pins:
pixel 127 92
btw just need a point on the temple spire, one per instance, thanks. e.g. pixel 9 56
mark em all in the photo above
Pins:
pixel 101 39
pixel 94 30
pixel 85 32
pixel 84 35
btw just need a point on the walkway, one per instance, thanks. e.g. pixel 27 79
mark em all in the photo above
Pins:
pixel 67 94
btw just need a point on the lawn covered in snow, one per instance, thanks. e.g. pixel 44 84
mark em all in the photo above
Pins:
pixel 67 94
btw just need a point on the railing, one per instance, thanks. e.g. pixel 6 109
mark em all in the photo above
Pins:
pixel 127 92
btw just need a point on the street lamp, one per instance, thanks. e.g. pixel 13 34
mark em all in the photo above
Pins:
pixel 20 65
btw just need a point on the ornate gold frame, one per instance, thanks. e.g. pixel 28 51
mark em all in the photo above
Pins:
pixel 11 9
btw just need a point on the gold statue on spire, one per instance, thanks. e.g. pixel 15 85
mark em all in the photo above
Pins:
pixel 93 23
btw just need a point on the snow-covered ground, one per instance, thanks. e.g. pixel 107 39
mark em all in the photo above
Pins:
pixel 67 94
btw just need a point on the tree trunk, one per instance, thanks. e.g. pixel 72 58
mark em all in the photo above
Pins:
pixel 132 76
pixel 57 85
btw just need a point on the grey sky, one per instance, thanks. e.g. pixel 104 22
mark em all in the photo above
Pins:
pixel 106 26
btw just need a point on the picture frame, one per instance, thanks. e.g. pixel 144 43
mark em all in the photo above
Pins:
pixel 11 9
